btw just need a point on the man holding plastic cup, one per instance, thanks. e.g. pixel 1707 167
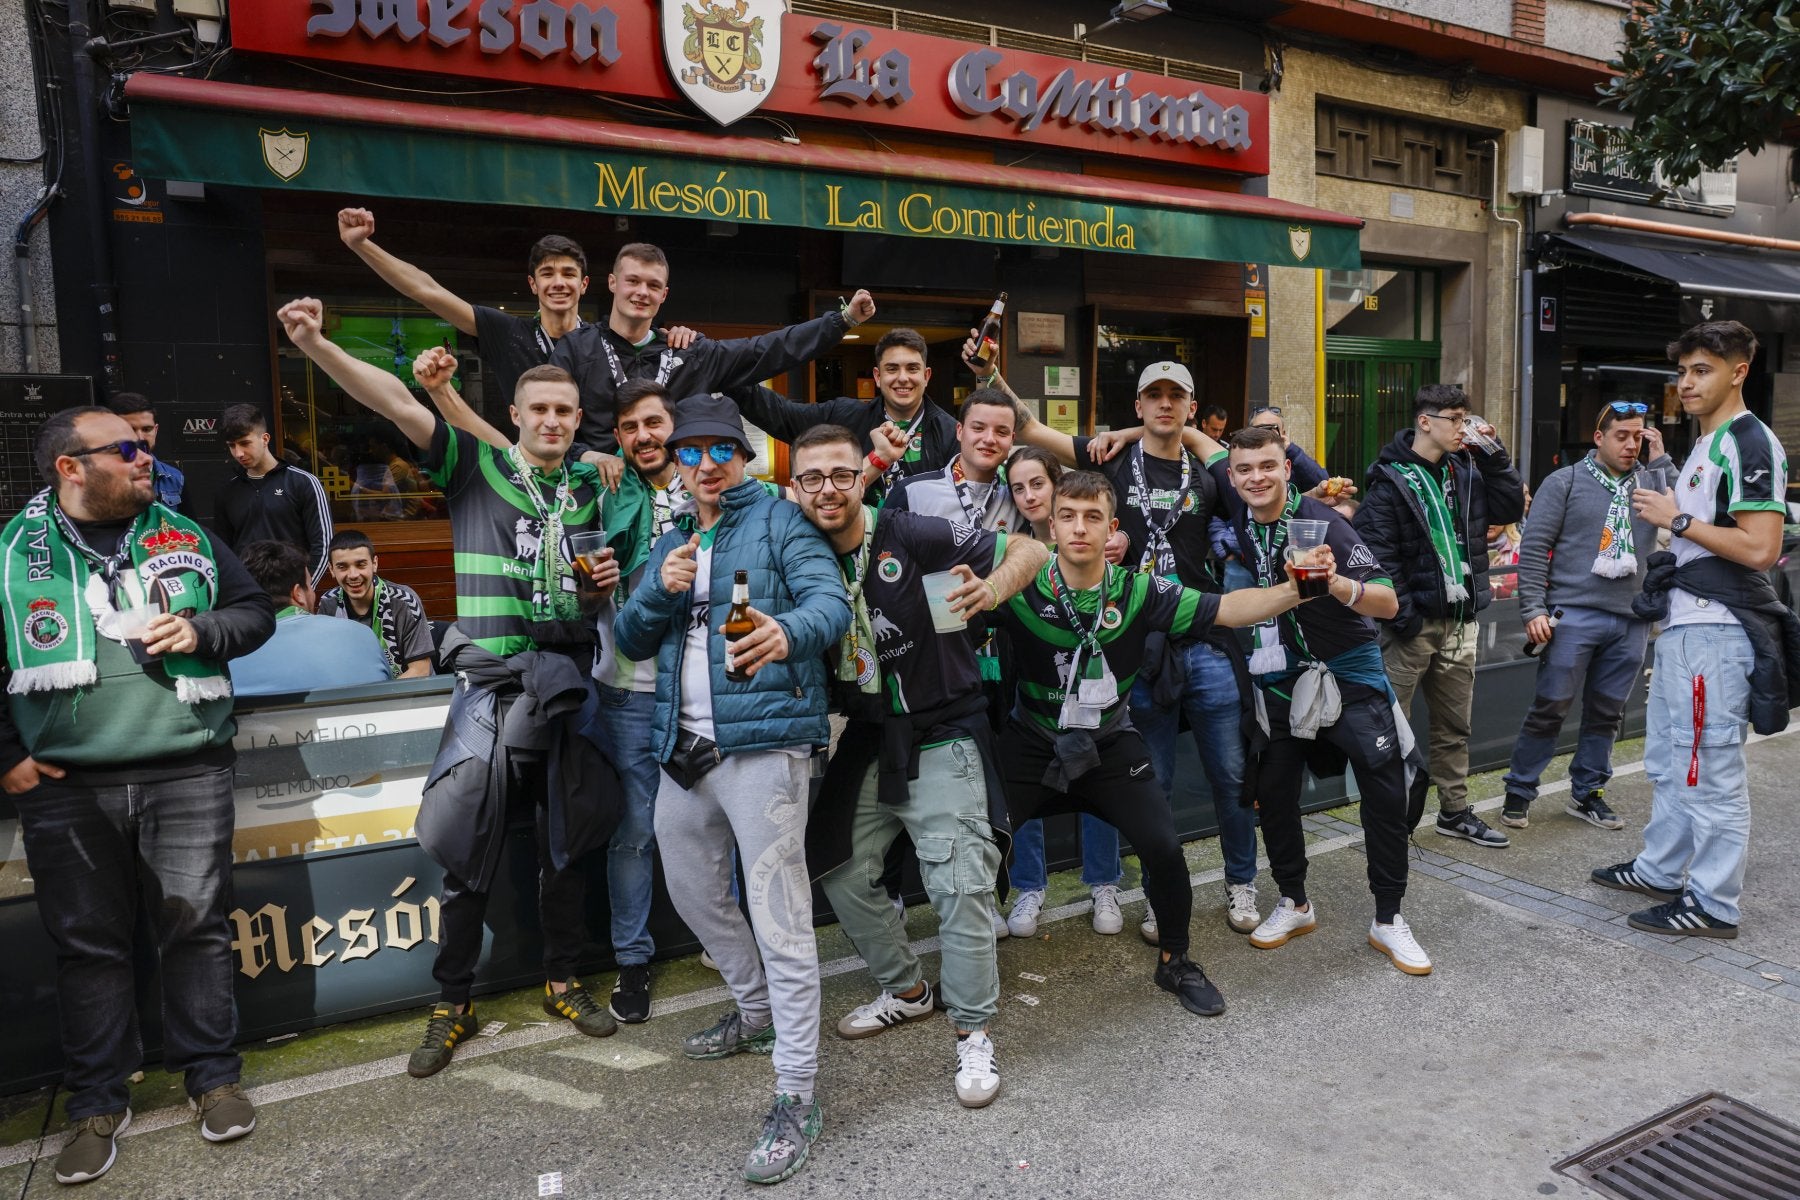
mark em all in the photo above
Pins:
pixel 1583 555
pixel 1322 695
pixel 1428 501
pixel 906 673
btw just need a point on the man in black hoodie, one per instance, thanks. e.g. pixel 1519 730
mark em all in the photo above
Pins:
pixel 1428 502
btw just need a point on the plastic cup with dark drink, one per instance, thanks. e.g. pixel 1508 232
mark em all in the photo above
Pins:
pixel 590 550
pixel 1305 539
pixel 133 624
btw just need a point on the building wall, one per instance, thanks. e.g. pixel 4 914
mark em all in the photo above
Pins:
pixel 1489 16
pixel 1455 232
pixel 1587 27
pixel 19 187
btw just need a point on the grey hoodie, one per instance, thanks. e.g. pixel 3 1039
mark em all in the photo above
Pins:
pixel 1562 536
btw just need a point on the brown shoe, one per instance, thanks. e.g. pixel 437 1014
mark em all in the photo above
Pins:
pixel 226 1114
pixel 90 1153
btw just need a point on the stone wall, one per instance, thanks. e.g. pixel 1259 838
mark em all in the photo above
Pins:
pixel 19 187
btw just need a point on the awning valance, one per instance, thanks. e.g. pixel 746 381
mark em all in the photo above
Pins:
pixel 1761 288
pixel 271 138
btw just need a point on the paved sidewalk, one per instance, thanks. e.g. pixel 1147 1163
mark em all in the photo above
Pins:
pixel 1546 1026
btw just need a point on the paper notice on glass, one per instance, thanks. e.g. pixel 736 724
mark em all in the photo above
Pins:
pixel 1064 416
pixel 1062 381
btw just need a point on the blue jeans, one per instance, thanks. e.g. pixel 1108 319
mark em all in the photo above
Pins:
pixel 1099 855
pixel 1210 701
pixel 1703 829
pixel 1608 650
pixel 97 855
pixel 621 726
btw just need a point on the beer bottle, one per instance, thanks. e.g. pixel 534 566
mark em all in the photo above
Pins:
pixel 987 338
pixel 1533 649
pixel 737 623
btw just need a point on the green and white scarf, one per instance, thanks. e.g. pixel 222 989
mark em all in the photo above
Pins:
pixel 857 662
pixel 550 601
pixel 1617 558
pixel 61 595
pixel 1269 542
pixel 1440 523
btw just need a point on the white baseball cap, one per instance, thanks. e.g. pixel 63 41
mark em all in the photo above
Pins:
pixel 1174 372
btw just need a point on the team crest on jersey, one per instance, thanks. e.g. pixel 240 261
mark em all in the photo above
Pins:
pixel 1111 617
pixel 888 567
pixel 865 666
pixel 917 444
pixel 45 628
pixel 1694 479
pixel 1360 557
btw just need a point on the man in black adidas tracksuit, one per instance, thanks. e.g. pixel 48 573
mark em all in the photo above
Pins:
pixel 268 500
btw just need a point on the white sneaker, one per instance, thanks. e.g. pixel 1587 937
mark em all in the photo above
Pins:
pixel 1240 907
pixel 1147 927
pixel 1284 923
pixel 884 1012
pixel 977 1079
pixel 1107 917
pixel 706 960
pixel 1001 929
pixel 1022 922
pixel 1397 942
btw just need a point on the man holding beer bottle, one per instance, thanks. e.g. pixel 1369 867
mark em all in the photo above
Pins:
pixel 736 756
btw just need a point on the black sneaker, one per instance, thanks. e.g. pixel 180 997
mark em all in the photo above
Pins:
pixel 1681 917
pixel 1471 828
pixel 1190 986
pixel 1515 813
pixel 1624 877
pixel 631 994
pixel 1593 809
pixel 579 1006
pixel 442 1032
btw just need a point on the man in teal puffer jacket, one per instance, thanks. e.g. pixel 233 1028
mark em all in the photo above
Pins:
pixel 736 756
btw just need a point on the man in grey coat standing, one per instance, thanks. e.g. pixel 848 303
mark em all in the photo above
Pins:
pixel 1582 560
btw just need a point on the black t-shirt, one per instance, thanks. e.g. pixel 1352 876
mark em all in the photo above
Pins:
pixel 510 345
pixel 1318 629
pixel 921 670
pixel 1190 535
pixel 1137 605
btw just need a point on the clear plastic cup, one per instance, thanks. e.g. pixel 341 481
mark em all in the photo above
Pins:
pixel 1654 479
pixel 132 625
pixel 938 586
pixel 589 548
pixel 1472 435
pixel 1304 539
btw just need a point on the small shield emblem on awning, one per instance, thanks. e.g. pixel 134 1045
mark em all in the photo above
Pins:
pixel 284 152
pixel 1300 241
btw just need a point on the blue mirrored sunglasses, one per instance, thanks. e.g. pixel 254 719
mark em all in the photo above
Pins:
pixel 125 450
pixel 719 452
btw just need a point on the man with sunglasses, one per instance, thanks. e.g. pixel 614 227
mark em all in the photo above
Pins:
pixel 917 755
pixel 1428 503
pixel 736 727
pixel 116 748
pixel 1583 558
pixel 140 414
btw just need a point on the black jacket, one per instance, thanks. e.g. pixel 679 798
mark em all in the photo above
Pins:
pixel 706 366
pixel 1772 627
pixel 787 419
pixel 506 711
pixel 1391 523
pixel 286 505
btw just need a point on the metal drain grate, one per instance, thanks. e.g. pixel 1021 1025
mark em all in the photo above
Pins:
pixel 1710 1148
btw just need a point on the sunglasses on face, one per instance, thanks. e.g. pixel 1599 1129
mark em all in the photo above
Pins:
pixel 127 451
pixel 719 452
pixel 1629 407
pixel 842 480
pixel 1267 408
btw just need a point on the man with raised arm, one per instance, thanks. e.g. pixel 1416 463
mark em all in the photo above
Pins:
pixel 521 650
pixel 915 698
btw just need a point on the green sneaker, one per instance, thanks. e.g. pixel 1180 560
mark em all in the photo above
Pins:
pixel 445 1028
pixel 589 1015
pixel 730 1036
pixel 90 1153
pixel 788 1133
pixel 225 1113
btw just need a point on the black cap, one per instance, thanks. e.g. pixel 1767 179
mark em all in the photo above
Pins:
pixel 709 415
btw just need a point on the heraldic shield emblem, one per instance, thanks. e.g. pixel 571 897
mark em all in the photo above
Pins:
pixel 283 152
pixel 1300 241
pixel 724 54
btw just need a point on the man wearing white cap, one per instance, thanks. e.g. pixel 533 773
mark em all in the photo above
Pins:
pixel 1167 502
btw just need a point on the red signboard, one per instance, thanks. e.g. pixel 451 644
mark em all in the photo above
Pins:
pixel 828 69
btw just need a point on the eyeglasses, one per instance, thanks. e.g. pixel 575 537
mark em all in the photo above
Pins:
pixel 814 481
pixel 1267 408
pixel 1444 417
pixel 719 452
pixel 127 451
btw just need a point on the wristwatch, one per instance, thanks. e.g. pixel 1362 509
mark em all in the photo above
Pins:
pixel 1679 525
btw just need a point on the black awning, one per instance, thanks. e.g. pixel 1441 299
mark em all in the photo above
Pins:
pixel 1700 268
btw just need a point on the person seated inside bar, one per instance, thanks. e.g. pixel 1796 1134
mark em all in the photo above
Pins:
pixel 308 652
pixel 392 611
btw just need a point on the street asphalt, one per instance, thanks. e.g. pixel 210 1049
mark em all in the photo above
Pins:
pixel 1546 1027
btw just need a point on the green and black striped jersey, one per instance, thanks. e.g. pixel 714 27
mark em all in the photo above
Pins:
pixel 1138 604
pixel 496 535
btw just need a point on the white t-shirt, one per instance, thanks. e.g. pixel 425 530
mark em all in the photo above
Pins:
pixel 1739 467
pixel 610 666
pixel 696 655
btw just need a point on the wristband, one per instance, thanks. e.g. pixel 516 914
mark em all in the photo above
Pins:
pixel 1356 597
pixel 844 312
pixel 876 461
pixel 995 592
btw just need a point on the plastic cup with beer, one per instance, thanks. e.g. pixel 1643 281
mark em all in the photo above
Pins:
pixel 133 625
pixel 590 550
pixel 1472 435
pixel 1304 540
pixel 938 586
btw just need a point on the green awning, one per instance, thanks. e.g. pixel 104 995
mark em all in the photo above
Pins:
pixel 302 141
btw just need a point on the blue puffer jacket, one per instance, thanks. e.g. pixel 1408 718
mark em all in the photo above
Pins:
pixel 793 578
